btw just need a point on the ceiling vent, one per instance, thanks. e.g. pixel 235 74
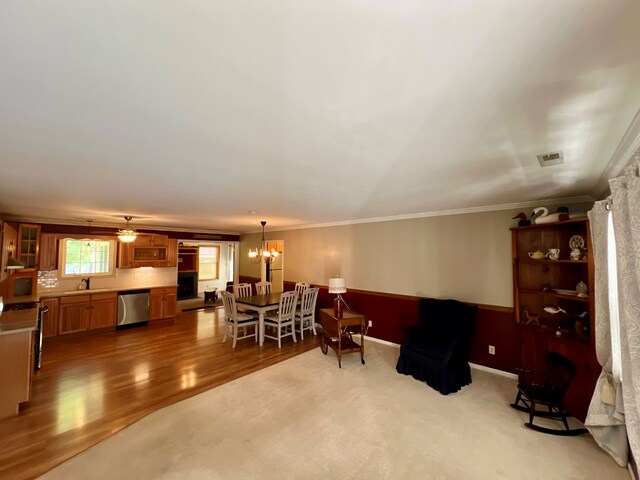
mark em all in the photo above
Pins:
pixel 551 158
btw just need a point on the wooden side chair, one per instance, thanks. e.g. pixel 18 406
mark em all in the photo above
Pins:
pixel 235 319
pixel 263 288
pixel 547 389
pixel 301 287
pixel 283 320
pixel 306 315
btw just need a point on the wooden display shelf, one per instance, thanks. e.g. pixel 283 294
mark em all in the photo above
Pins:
pixel 545 260
pixel 554 294
pixel 536 226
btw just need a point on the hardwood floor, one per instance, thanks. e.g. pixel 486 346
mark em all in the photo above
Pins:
pixel 92 386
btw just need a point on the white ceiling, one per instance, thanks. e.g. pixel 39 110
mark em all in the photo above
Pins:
pixel 189 114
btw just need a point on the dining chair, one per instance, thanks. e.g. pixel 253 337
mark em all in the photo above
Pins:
pixel 305 318
pixel 242 290
pixel 235 319
pixel 263 288
pixel 283 320
pixel 301 287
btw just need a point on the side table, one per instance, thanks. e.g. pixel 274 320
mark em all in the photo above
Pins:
pixel 337 333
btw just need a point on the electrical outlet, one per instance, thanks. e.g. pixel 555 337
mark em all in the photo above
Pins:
pixel 370 323
pixel 492 350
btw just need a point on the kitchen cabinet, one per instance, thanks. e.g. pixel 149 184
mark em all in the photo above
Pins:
pixel 9 246
pixel 172 253
pixel 16 367
pixel 145 251
pixel 104 310
pixel 48 251
pixel 163 303
pixel 74 314
pixel 79 313
pixel 50 319
pixel 28 246
pixel 148 240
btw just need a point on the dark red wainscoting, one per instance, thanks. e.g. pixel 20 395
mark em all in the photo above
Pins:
pixel 391 314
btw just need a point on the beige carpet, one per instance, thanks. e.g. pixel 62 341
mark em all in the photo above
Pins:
pixel 305 418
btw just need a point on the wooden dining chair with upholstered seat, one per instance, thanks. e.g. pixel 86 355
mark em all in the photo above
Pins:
pixel 283 320
pixel 235 319
pixel 306 315
pixel 263 288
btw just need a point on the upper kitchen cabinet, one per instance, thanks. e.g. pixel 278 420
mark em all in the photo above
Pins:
pixel 28 246
pixel 172 253
pixel 146 251
pixel 48 251
pixel 9 242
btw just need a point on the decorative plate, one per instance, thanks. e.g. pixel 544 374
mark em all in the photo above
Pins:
pixel 577 241
pixel 565 292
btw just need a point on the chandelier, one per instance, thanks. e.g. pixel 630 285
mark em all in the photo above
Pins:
pixel 257 255
pixel 127 234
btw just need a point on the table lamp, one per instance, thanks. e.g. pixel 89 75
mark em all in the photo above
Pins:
pixel 338 286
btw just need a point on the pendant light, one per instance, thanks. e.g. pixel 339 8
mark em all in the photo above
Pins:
pixel 258 254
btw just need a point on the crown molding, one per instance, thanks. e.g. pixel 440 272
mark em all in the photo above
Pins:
pixel 137 226
pixel 441 213
pixel 628 148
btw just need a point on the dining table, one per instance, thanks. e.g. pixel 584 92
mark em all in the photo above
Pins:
pixel 261 304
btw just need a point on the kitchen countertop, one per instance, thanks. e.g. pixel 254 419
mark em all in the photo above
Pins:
pixel 66 293
pixel 16 321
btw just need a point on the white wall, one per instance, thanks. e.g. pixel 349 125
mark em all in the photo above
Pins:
pixel 467 256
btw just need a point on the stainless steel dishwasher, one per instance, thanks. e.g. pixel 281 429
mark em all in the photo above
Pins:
pixel 133 307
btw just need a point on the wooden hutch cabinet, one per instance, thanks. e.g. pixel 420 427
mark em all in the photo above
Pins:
pixel 552 308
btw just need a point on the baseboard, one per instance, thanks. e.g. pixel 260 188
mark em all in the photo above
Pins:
pixel 473 365
pixel 493 370
pixel 384 342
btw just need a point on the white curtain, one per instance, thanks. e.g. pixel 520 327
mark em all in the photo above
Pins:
pixel 614 414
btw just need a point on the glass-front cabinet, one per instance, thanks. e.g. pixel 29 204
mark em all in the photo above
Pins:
pixel 28 245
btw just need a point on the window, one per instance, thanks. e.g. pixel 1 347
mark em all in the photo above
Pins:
pixel 93 257
pixel 209 263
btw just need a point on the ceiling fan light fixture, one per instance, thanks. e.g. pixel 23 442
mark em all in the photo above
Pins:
pixel 127 234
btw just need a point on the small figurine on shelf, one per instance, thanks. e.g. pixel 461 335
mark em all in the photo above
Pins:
pixel 522 222
pixel 582 330
pixel 541 215
pixel 531 318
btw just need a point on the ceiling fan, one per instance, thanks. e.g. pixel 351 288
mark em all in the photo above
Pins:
pixel 127 234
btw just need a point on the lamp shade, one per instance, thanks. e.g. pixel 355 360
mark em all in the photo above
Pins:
pixel 337 285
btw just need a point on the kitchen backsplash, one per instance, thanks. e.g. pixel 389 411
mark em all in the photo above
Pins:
pixel 124 278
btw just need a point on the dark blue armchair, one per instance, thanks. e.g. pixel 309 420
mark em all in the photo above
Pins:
pixel 436 351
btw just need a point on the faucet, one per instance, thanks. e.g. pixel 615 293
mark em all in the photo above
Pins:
pixel 87 282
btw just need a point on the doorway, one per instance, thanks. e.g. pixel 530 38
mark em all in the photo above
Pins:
pixel 274 272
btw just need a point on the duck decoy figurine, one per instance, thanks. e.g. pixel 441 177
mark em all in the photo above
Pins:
pixel 523 222
pixel 541 215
